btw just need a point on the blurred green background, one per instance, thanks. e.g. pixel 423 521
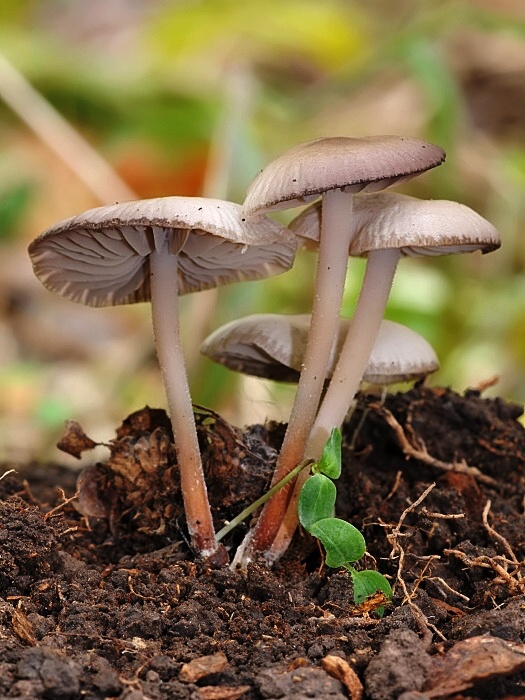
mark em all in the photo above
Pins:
pixel 189 97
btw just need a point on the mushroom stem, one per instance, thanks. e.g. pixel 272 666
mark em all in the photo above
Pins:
pixel 165 313
pixel 339 397
pixel 361 335
pixel 289 522
pixel 336 235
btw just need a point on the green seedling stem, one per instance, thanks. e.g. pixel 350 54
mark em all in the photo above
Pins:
pixel 262 500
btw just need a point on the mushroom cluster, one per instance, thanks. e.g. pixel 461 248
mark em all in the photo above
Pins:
pixel 154 250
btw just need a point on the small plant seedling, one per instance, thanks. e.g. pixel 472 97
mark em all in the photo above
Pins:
pixel 343 543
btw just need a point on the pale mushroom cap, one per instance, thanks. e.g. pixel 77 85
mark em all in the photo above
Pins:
pixel 100 257
pixel 415 226
pixel 262 345
pixel 369 164
pixel 273 345
pixel 399 355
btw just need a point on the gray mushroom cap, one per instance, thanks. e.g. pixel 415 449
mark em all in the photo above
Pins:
pixel 369 164
pixel 415 226
pixel 272 346
pixel 399 355
pixel 100 257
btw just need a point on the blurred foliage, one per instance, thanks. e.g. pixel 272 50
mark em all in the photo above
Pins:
pixel 194 97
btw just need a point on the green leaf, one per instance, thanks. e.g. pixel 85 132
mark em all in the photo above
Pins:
pixel 330 462
pixel 316 500
pixel 368 582
pixel 343 542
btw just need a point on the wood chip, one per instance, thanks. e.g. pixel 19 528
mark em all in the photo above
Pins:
pixel 22 627
pixel 473 661
pixel 212 692
pixel 202 667
pixel 338 668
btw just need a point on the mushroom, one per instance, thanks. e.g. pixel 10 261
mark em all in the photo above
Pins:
pixel 388 226
pixel 335 168
pixel 154 250
pixel 272 346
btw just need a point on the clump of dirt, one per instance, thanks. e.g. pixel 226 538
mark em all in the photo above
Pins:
pixel 101 597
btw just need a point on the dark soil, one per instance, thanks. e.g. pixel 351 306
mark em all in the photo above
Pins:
pixel 101 597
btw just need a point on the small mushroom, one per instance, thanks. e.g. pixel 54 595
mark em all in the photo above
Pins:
pixel 154 250
pixel 334 168
pixel 388 226
pixel 272 346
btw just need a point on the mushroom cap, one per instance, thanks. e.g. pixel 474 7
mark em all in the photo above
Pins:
pixel 273 345
pixel 101 257
pixel 399 355
pixel 369 164
pixel 415 226
pixel 263 345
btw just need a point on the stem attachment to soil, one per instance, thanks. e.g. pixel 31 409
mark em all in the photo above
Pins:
pixel 164 308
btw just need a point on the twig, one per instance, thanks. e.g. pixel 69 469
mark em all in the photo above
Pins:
pixel 65 501
pixel 397 550
pixel 442 516
pixel 423 456
pixel 514 580
pixel 497 535
pixel 396 531
pixel 445 585
pixel 9 471
pixel 58 134
pixel 395 485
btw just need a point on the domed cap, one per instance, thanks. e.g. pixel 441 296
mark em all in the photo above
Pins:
pixel 100 257
pixel 415 226
pixel 369 164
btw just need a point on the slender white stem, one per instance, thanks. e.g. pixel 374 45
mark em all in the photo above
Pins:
pixel 339 397
pixel 164 306
pixel 336 234
pixel 359 341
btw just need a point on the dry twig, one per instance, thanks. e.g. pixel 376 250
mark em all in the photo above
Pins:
pixel 421 454
pixel 398 551
pixel 507 568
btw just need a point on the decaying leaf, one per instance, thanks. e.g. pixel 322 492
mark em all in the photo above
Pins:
pixel 75 441
pixel 89 484
pixel 370 604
